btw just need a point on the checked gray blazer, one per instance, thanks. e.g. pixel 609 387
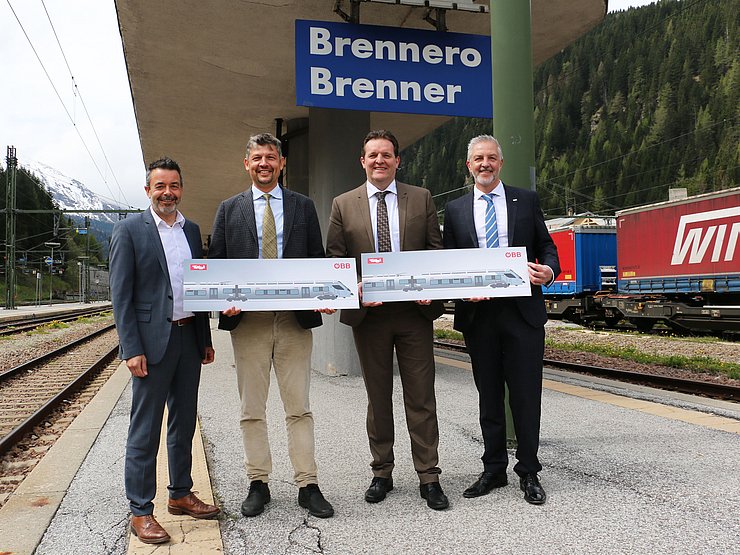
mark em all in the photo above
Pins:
pixel 234 235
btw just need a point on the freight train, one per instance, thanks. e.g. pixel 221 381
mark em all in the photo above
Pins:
pixel 675 262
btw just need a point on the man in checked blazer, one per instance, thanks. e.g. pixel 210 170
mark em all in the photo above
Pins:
pixel 163 346
pixel 505 336
pixel 268 221
pixel 356 226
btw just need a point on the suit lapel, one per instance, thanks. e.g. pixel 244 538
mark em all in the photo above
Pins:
pixel 362 204
pixel 512 203
pixel 469 219
pixel 246 205
pixel 150 230
pixel 192 238
pixel 403 200
pixel 289 204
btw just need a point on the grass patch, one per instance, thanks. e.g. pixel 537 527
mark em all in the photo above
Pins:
pixel 49 326
pixel 693 364
pixel 448 334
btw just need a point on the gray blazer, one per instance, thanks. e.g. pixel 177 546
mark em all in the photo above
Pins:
pixel 141 290
pixel 234 235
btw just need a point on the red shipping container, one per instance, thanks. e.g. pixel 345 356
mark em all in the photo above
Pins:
pixel 697 237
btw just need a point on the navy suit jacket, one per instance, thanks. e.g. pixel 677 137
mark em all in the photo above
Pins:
pixel 526 228
pixel 234 235
pixel 141 291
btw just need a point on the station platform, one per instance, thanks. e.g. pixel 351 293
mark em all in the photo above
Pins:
pixel 627 469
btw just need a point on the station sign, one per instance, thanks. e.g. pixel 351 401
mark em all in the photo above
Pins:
pixel 389 69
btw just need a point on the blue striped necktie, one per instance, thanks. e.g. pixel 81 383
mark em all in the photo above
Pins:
pixel 491 227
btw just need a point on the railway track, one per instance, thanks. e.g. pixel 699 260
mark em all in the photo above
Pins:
pixel 714 390
pixel 31 391
pixel 21 325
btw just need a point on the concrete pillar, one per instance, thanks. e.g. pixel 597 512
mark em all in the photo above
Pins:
pixel 334 142
pixel 513 96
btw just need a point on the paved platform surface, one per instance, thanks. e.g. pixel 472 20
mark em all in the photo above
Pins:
pixel 627 470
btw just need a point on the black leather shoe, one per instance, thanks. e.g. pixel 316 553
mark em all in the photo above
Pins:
pixel 378 488
pixel 533 492
pixel 485 483
pixel 259 495
pixel 311 498
pixel 436 499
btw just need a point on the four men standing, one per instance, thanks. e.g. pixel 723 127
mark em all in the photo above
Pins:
pixel 164 346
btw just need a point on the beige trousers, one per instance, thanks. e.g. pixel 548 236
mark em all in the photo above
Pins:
pixel 274 339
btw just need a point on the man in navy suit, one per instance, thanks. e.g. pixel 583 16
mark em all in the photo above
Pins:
pixel 268 221
pixel 505 336
pixel 163 346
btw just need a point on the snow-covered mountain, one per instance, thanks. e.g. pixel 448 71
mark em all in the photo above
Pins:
pixel 71 194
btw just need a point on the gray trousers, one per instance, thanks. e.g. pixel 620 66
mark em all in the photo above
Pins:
pixel 174 380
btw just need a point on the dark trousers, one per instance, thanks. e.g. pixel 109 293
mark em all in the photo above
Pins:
pixel 402 326
pixel 505 349
pixel 174 380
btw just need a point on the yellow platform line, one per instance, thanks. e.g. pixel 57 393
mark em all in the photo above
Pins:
pixel 189 535
pixel 674 413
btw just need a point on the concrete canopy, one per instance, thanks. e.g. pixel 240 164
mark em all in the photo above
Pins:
pixel 205 75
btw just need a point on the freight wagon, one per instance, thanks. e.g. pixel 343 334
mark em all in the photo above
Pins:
pixel 677 262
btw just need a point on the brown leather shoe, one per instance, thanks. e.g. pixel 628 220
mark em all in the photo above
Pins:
pixel 148 530
pixel 191 505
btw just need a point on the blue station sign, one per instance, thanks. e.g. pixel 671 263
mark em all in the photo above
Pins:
pixel 388 69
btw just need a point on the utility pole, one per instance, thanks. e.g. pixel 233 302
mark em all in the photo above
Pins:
pixel 10 181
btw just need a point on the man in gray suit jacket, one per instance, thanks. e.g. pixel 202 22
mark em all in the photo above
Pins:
pixel 268 221
pixel 384 215
pixel 163 346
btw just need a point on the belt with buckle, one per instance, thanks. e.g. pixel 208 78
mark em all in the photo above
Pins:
pixel 183 321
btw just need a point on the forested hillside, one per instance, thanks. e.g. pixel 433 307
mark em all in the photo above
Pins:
pixel 647 101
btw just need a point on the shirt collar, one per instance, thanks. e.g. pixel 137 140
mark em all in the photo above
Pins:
pixel 179 219
pixel 276 192
pixel 372 189
pixel 498 191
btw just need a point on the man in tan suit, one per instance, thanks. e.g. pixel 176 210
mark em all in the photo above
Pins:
pixel 383 215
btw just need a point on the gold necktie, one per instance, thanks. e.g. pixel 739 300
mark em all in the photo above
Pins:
pixel 269 237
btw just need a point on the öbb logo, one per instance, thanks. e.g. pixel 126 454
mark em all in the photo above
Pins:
pixel 342 265
pixel 515 254
pixel 199 266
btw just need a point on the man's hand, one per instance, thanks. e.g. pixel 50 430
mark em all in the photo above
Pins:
pixel 210 356
pixel 231 311
pixel 137 366
pixel 423 302
pixel 539 274
pixel 325 310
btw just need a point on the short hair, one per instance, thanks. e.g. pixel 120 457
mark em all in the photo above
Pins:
pixel 264 139
pixel 484 139
pixel 381 134
pixel 164 163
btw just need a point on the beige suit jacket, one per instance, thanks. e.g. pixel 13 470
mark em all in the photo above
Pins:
pixel 351 234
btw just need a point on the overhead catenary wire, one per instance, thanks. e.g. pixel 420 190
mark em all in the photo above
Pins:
pixel 61 101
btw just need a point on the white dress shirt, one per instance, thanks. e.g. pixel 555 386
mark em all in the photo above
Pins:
pixel 391 202
pixel 176 251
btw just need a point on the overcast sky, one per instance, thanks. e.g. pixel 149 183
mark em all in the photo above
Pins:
pixel 36 121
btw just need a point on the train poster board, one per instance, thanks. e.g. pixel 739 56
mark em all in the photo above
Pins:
pixel 279 284
pixel 445 274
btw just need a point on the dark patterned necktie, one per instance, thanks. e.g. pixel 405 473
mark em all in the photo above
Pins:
pixel 384 232
pixel 269 237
